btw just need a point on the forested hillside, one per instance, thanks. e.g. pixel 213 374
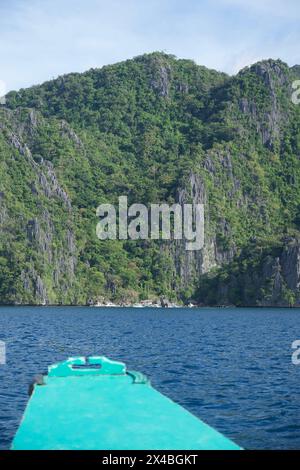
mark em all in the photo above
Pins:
pixel 157 129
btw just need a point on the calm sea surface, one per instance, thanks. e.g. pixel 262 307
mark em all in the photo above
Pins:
pixel 230 367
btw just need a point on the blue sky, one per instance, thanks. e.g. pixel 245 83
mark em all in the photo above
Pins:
pixel 41 39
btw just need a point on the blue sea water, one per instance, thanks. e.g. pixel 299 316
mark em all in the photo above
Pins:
pixel 230 367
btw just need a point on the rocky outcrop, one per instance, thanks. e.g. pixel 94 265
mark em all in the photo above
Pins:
pixel 190 265
pixel 290 262
pixel 266 279
pixel 34 284
pixel 49 184
pixel 67 131
pixel 269 122
pixel 160 76
pixel 282 273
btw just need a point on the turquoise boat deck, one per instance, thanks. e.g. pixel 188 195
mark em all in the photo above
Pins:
pixel 105 407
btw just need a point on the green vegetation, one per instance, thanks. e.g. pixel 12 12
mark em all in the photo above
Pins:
pixel 154 128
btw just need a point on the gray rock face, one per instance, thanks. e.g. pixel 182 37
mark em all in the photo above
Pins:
pixel 33 282
pixel 283 275
pixel 290 262
pixel 269 124
pixel 67 131
pixel 48 181
pixel 161 77
pixel 190 265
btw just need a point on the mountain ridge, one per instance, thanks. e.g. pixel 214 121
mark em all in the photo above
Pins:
pixel 157 129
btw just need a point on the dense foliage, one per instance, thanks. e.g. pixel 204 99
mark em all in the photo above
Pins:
pixel 146 128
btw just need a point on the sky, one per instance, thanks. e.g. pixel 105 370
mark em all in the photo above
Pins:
pixel 41 39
